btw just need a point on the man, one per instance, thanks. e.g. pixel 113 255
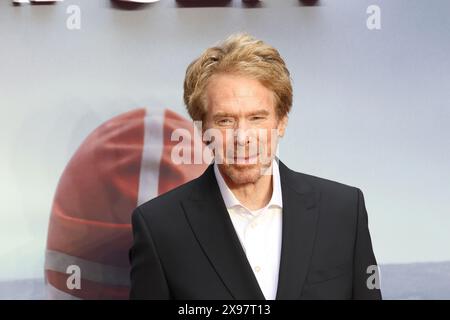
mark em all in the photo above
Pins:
pixel 249 227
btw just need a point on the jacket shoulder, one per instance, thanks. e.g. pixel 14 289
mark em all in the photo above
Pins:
pixel 166 202
pixel 323 186
pixel 324 183
pixel 338 201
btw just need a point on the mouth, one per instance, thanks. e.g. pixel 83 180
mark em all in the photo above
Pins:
pixel 252 158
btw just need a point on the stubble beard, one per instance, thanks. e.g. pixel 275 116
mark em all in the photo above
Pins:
pixel 245 173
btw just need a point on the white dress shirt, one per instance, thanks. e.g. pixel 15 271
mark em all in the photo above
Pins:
pixel 259 231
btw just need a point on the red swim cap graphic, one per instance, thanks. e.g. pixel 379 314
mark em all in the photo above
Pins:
pixel 121 164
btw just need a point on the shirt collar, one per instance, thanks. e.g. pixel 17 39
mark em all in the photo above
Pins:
pixel 230 199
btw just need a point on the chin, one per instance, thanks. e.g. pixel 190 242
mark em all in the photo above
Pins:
pixel 243 173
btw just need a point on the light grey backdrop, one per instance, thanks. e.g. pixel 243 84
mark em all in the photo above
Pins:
pixel 371 108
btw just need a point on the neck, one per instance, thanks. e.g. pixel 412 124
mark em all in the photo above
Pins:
pixel 253 195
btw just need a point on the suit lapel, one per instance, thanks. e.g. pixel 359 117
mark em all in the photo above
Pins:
pixel 300 215
pixel 212 226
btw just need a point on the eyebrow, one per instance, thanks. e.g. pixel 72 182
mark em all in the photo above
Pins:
pixel 231 115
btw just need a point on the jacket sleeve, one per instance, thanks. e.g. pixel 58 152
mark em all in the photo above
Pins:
pixel 147 276
pixel 364 262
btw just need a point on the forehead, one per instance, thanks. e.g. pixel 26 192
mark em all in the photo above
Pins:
pixel 234 93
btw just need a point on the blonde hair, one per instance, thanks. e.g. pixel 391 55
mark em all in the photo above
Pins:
pixel 243 55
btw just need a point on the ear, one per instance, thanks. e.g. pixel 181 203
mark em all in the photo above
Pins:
pixel 282 124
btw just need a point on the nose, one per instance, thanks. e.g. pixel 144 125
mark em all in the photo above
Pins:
pixel 242 133
pixel 242 137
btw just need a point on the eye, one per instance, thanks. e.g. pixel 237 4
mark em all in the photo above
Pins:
pixel 257 118
pixel 225 122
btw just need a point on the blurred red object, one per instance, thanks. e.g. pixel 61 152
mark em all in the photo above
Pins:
pixel 121 164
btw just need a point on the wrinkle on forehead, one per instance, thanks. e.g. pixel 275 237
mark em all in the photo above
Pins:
pixel 236 92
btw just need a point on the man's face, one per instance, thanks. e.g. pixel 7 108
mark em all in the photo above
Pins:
pixel 243 111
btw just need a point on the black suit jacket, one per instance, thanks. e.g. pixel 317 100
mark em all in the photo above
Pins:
pixel 185 245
